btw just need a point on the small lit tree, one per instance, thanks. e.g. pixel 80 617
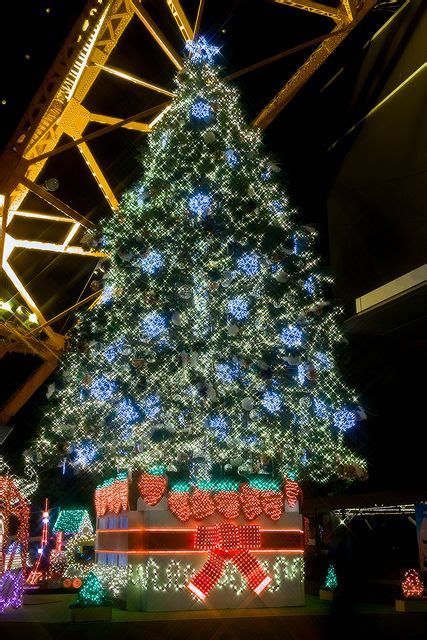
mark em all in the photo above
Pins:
pixel 412 584
pixel 331 582
pixel 92 593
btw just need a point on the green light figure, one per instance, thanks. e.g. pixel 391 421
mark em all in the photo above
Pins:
pixel 92 593
pixel 331 579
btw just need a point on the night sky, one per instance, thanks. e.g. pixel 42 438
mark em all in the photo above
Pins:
pixel 389 373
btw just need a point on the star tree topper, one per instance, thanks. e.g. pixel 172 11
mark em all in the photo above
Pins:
pixel 201 50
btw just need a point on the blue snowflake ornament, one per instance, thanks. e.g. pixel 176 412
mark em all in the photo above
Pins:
pixel 201 110
pixel 239 308
pixel 199 204
pixel 344 419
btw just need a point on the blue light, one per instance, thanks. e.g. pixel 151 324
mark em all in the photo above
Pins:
pixel 201 50
pixel 232 158
pixel 291 336
pixel 153 325
pixel 152 262
pixel 266 174
pixel 296 247
pixel 271 401
pixel 322 360
pixel 127 411
pixel 309 285
pixel 113 350
pixel 248 264
pixel 250 439
pixel 320 408
pixel 227 371
pixel 152 406
pixel 304 459
pixel 219 424
pixel 201 110
pixel 277 206
pixel 84 454
pixel 199 204
pixel 164 139
pixel 239 308
pixel 141 195
pixel 301 373
pixel 102 388
pixel 344 419
pixel 107 294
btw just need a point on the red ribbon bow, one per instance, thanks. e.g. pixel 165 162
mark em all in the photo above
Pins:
pixel 228 542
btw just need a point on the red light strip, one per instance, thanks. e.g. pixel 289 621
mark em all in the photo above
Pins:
pixel 150 552
pixel 174 529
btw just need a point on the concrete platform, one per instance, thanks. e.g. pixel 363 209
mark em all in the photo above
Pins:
pixel 46 617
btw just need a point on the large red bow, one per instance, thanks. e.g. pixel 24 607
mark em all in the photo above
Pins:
pixel 228 542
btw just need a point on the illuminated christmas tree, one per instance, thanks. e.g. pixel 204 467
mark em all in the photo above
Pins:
pixel 92 593
pixel 213 345
pixel 331 579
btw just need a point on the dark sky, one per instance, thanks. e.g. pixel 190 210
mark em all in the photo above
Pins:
pixel 387 374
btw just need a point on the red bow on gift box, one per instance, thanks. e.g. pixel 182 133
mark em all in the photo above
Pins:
pixel 232 542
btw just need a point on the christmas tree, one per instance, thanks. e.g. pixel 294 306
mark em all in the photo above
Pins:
pixel 92 593
pixel 331 579
pixel 213 343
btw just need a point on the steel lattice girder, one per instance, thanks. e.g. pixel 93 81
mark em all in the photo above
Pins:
pixel 57 110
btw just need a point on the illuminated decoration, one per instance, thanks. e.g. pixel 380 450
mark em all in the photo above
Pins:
pixel 331 582
pixel 219 425
pixel 248 264
pixel 113 350
pixel 292 336
pixel 322 361
pixel 232 158
pixel 152 406
pixel 203 310
pixel 112 495
pixel 201 110
pixel 107 294
pixel 84 454
pixel 36 573
pixel 179 505
pixel 175 575
pixel 201 504
pixel 309 286
pixel 73 521
pixel 92 593
pixel 272 504
pixel 412 584
pixel 201 51
pixel 14 503
pixel 127 411
pixel 76 565
pixel 239 308
pixel 228 542
pixel 320 408
pixel 227 503
pixel 344 419
pixel 292 492
pixel 11 590
pixel 272 401
pixel 199 204
pixel 153 325
pixel 227 371
pixel 251 501
pixel 102 389
pixel 152 488
pixel 152 262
